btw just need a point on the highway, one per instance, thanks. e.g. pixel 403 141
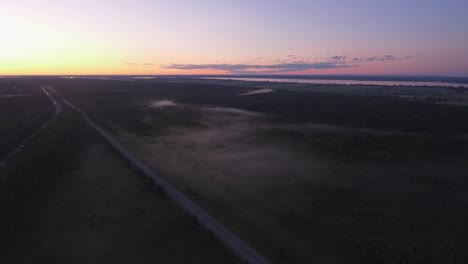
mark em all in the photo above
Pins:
pixel 239 247
pixel 57 110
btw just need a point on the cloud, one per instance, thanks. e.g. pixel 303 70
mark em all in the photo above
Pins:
pixel 138 64
pixel 370 59
pixel 291 58
pixel 338 58
pixel 278 67
pixel 387 57
pixel 253 61
pixel 412 57
pixel 291 64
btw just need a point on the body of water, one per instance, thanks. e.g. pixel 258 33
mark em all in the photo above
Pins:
pixel 343 82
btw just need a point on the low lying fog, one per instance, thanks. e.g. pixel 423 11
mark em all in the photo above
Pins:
pixel 162 103
pixel 258 91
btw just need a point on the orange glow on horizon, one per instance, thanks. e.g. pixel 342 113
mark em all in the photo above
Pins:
pixel 121 38
pixel 35 49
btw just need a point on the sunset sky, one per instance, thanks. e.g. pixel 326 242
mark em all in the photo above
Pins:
pixel 404 37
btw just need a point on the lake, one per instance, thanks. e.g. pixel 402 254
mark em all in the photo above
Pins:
pixel 343 82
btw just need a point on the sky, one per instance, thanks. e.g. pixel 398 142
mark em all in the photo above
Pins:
pixel 142 37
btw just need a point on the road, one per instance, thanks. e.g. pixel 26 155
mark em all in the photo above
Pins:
pixel 57 110
pixel 239 247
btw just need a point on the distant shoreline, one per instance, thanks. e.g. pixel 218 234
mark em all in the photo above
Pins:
pixel 344 82
pixel 433 81
pixel 396 78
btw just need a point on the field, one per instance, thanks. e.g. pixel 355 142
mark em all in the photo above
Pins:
pixel 67 197
pixel 302 176
pixel 23 109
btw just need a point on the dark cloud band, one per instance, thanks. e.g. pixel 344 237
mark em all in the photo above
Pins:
pixel 281 67
pixel 332 62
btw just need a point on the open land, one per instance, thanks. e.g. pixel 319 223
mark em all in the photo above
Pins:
pixel 24 108
pixel 67 197
pixel 302 176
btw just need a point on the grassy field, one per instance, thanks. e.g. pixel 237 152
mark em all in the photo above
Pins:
pixel 23 109
pixel 68 198
pixel 303 177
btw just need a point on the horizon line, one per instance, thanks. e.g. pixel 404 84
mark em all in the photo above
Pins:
pixel 241 75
